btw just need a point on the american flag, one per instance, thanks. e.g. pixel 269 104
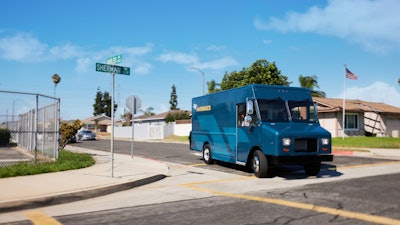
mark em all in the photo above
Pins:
pixel 351 75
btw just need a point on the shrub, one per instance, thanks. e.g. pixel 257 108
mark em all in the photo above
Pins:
pixel 5 136
pixel 180 115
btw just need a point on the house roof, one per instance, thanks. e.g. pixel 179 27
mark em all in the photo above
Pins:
pixel 335 104
pixel 101 119
pixel 160 116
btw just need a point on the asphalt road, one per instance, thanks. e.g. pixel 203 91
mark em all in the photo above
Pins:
pixel 350 190
pixel 353 196
pixel 180 153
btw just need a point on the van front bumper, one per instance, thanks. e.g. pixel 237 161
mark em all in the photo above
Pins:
pixel 301 159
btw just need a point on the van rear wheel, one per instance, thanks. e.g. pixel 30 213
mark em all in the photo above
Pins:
pixel 207 154
pixel 259 164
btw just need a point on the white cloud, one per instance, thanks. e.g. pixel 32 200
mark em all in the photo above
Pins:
pixel 215 48
pixel 142 68
pixel 371 24
pixel 83 64
pixel 376 92
pixel 218 64
pixel 192 60
pixel 178 57
pixel 22 47
pixel 66 51
pixel 130 51
pixel 267 42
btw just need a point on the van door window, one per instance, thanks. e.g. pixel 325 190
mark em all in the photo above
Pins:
pixel 241 122
pixel 241 114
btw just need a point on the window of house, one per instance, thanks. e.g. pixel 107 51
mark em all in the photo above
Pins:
pixel 351 121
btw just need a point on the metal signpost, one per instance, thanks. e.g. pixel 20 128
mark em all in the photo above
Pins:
pixel 133 103
pixel 113 69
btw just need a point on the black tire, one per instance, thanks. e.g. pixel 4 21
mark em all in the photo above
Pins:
pixel 207 154
pixel 259 164
pixel 312 169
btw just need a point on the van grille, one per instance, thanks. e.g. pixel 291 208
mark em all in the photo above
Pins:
pixel 305 145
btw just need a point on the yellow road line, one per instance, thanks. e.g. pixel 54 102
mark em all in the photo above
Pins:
pixel 40 218
pixel 311 207
pixel 198 164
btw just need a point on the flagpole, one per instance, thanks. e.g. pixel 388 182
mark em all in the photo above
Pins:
pixel 344 103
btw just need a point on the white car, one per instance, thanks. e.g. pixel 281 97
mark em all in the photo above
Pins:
pixel 86 135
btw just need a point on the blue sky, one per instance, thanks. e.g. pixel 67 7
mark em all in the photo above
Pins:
pixel 161 40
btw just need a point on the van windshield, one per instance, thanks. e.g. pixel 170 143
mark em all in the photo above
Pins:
pixel 302 111
pixel 274 110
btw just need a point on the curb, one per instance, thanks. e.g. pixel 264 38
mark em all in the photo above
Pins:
pixel 76 196
pixel 342 152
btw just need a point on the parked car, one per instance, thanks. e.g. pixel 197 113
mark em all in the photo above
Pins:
pixel 72 139
pixel 86 135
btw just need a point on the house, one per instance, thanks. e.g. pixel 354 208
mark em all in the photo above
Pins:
pixel 97 123
pixel 361 117
pixel 158 119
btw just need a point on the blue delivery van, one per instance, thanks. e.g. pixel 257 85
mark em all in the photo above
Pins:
pixel 260 126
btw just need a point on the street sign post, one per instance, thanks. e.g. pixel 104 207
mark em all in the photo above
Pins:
pixel 101 67
pixel 114 60
pixel 133 103
pixel 113 69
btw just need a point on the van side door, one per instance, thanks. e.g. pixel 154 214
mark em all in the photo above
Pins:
pixel 247 133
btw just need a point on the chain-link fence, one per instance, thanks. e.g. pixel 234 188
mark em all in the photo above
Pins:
pixel 33 122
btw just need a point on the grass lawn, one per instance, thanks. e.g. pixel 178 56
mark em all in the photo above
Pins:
pixel 66 161
pixel 366 142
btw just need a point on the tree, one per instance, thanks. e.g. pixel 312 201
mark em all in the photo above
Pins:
pixel 56 79
pixel 212 87
pixel 173 102
pixel 127 116
pixel 311 82
pixel 102 104
pixel 176 115
pixel 260 72
pixel 67 130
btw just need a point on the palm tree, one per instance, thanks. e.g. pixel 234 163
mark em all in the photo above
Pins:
pixel 56 79
pixel 311 82
pixel 148 111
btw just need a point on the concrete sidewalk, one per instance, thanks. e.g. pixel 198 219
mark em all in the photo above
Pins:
pixel 25 192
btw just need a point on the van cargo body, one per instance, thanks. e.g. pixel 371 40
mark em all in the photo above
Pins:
pixel 260 126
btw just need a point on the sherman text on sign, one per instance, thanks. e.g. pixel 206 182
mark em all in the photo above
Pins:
pixel 100 67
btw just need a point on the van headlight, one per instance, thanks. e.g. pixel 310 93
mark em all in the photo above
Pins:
pixel 286 141
pixel 325 141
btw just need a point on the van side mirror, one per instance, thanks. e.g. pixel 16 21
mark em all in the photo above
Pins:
pixel 249 107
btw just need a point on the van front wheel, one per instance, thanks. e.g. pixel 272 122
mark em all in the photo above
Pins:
pixel 259 164
pixel 207 154
pixel 312 169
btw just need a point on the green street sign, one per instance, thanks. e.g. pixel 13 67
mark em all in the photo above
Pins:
pixel 114 60
pixel 100 67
